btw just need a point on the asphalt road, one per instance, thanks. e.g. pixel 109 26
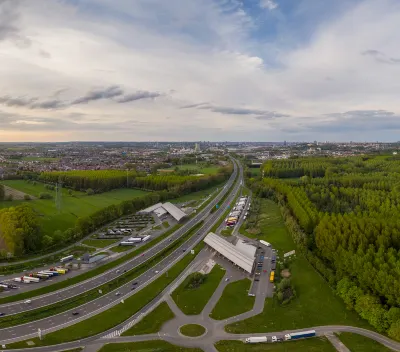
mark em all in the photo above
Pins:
pixel 106 301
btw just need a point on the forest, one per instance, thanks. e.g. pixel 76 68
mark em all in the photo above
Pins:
pixel 344 214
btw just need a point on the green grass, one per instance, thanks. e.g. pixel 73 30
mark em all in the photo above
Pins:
pixel 255 171
pixel 88 274
pixel 99 243
pixel 116 314
pixel 79 349
pixel 36 158
pixel 70 303
pixel 320 344
pixel 315 305
pixel 146 346
pixel 152 322
pixel 73 207
pixel 192 301
pixel 234 300
pixel 119 249
pixel 359 343
pixel 269 225
pixel 192 330
pixel 197 196
pixel 208 170
pixel 165 224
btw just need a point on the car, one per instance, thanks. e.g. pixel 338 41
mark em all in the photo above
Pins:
pixel 184 250
pixel 257 273
pixel 75 313
pixel 279 339
pixel 125 271
pixel 133 287
pixel 117 293
pixel 117 271
pixel 170 240
pixel 2 314
pixel 142 254
pixel 27 301
pixel 227 279
pixel 256 279
pixel 265 271
pixel 156 272
pixel 134 283
pixel 274 339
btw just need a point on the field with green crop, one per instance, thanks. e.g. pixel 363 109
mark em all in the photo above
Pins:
pixel 207 170
pixel 72 207
pixel 146 346
pixel 358 343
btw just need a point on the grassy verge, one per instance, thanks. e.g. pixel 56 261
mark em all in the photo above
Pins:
pixel 192 301
pixel 119 249
pixel 79 349
pixel 192 330
pixel 359 343
pixel 320 344
pixel 316 304
pixel 59 307
pixel 89 274
pixel 99 243
pixel 116 314
pixel 152 322
pixel 165 224
pixel 146 346
pixel 234 300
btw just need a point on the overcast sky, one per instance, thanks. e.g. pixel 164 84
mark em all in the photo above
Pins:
pixel 256 70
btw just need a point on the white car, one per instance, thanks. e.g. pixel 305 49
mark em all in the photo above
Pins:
pixel 117 293
pixel 274 339
pixel 28 301
pixel 156 272
pixel 227 279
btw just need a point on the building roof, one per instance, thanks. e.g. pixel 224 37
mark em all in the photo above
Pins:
pixel 152 208
pixel 229 251
pixel 246 248
pixel 175 212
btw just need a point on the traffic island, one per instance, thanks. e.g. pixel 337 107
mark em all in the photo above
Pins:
pixel 192 330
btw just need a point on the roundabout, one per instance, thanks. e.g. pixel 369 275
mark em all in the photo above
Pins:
pixel 192 330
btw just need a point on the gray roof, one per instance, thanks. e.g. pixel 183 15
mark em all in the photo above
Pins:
pixel 152 208
pixel 175 212
pixel 231 252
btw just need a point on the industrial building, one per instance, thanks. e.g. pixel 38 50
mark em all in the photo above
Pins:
pixel 161 209
pixel 242 254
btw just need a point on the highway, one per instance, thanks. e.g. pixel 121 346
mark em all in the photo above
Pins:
pixel 106 301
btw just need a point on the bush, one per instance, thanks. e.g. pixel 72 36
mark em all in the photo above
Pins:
pixel 89 192
pixel 196 280
pixel 10 197
pixel 27 197
pixel 44 195
pixel 70 192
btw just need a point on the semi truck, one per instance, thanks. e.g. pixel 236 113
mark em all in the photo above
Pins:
pixel 33 279
pixel 67 258
pixel 145 238
pixel 127 243
pixel 256 339
pixel 300 335
pixel 265 243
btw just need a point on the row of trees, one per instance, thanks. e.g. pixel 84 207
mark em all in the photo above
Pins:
pixel 19 230
pixel 347 225
pixel 98 180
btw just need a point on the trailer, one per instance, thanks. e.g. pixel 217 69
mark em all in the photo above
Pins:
pixel 33 279
pixel 256 339
pixel 265 243
pixel 60 268
pixel 145 238
pixel 126 243
pixel 48 272
pixel 300 335
pixel 272 276
pixel 21 279
pixel 134 239
pixel 67 258
pixel 61 271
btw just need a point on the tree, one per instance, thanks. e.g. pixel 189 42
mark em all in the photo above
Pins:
pixel 394 330
pixel 89 192
pixel 10 197
pixel 27 197
pixel 44 195
pixel 70 192
pixel 47 241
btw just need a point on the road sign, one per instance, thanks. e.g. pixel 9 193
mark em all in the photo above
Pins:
pixel 217 206
pixel 122 301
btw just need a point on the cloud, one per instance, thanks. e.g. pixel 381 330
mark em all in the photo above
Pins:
pixel 97 94
pixel 9 23
pixel 140 94
pixel 381 57
pixel 268 4
pixel 17 101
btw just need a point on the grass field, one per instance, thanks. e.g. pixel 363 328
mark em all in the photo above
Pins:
pixel 99 243
pixel 234 300
pixel 199 195
pixel 192 330
pixel 119 249
pixel 146 346
pixel 72 206
pixel 192 301
pixel 320 344
pixel 208 170
pixel 255 171
pixel 358 343
pixel 152 322
pixel 269 226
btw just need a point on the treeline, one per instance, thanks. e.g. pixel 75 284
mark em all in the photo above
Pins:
pixel 347 223
pixel 98 180
pixel 19 231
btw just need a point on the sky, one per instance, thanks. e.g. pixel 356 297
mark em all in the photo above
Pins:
pixel 213 70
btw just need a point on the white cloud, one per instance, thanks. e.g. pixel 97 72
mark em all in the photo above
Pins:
pixel 165 56
pixel 268 4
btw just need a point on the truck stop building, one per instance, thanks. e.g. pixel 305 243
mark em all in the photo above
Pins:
pixel 161 209
pixel 242 254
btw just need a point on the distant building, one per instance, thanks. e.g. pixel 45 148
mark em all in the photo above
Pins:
pixel 197 148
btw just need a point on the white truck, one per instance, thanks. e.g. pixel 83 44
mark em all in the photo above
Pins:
pixel 145 238
pixel 256 339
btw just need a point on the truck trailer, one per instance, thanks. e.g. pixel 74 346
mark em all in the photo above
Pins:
pixel 127 243
pixel 146 238
pixel 256 339
pixel 33 279
pixel 300 335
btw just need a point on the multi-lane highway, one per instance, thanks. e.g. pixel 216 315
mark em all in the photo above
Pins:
pixel 106 301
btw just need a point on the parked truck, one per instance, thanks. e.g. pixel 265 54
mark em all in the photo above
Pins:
pixel 256 339
pixel 146 238
pixel 300 335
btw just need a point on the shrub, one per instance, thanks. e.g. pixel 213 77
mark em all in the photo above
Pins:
pixel 44 195
pixel 89 192
pixel 27 197
pixel 10 197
